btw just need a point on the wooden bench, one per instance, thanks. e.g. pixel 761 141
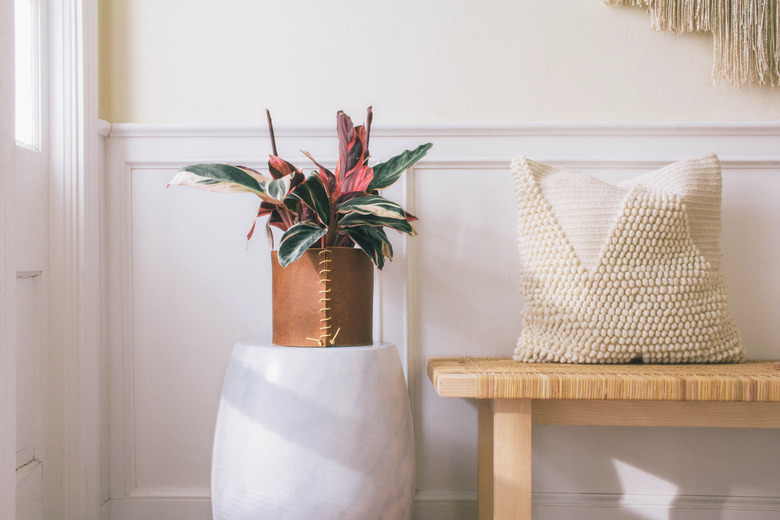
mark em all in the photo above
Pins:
pixel 516 395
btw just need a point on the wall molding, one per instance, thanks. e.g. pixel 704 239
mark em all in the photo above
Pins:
pixel 170 492
pixel 588 146
pixel 566 129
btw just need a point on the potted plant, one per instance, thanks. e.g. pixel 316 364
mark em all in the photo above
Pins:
pixel 322 283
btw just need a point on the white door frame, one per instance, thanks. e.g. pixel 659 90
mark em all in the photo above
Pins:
pixel 75 302
pixel 75 317
pixel 7 270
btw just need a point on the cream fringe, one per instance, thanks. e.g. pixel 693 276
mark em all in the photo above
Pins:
pixel 746 34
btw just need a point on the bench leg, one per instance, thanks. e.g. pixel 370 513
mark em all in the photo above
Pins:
pixel 505 459
pixel 485 459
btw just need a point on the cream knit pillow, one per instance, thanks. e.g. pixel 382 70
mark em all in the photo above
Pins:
pixel 612 273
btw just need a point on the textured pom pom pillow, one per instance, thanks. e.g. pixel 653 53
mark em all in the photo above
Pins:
pixel 615 273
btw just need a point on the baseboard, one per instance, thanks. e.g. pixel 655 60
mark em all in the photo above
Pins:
pixel 161 509
pixel 431 505
pixel 576 506
pixel 445 505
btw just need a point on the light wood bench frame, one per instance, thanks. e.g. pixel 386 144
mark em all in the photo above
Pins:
pixel 514 396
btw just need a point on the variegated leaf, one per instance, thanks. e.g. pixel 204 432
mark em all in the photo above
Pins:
pixel 373 205
pixel 328 179
pixel 374 242
pixel 276 220
pixel 386 173
pixel 269 234
pixel 259 177
pixel 279 167
pixel 344 197
pixel 356 219
pixel 297 240
pixel 222 178
pixel 357 179
pixel 279 188
pixel 346 133
pixel 312 193
pixel 265 208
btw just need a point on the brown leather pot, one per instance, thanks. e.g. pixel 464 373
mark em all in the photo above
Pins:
pixel 323 299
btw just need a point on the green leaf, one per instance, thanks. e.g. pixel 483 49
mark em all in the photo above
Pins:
pixel 386 173
pixel 313 193
pixel 356 219
pixel 298 239
pixel 376 211
pixel 374 242
pixel 223 178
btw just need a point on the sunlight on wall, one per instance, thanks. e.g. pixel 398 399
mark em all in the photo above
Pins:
pixel 635 481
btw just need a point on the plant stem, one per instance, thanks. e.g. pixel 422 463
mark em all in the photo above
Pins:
pixel 332 234
pixel 369 118
pixel 271 131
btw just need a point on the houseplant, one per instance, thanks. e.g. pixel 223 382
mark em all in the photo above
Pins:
pixel 323 215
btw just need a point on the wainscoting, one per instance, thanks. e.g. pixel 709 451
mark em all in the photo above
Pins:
pixel 183 286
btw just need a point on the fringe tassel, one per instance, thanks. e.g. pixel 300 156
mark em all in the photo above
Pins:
pixel 746 34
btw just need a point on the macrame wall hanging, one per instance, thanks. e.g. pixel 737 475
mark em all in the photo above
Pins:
pixel 746 34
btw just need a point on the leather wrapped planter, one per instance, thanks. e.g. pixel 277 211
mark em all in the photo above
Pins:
pixel 323 299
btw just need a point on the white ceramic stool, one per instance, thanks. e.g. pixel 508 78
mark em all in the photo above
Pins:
pixel 313 434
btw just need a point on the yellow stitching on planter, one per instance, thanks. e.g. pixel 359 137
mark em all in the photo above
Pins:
pixel 324 280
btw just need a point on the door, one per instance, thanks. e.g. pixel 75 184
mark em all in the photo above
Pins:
pixel 7 274
pixel 28 254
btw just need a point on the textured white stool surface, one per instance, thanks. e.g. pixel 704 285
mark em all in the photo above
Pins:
pixel 313 433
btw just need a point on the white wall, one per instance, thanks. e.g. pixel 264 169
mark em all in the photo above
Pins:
pixel 184 289
pixel 415 61
pixel 427 68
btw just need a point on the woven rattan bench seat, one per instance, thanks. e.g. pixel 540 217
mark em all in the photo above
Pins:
pixel 504 378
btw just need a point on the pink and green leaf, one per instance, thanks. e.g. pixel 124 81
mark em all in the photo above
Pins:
pixel 373 205
pixel 357 179
pixel 269 235
pixel 279 167
pixel 346 133
pixel 266 208
pixel 297 240
pixel 376 211
pixel 353 144
pixel 313 194
pixel 328 179
pixel 344 197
